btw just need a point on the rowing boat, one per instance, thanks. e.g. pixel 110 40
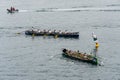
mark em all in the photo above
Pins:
pixel 80 56
pixel 52 33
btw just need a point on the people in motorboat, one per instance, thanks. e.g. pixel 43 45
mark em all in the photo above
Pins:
pixel 12 8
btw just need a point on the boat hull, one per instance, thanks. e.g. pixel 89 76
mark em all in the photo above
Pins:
pixel 10 11
pixel 93 61
pixel 88 61
pixel 76 35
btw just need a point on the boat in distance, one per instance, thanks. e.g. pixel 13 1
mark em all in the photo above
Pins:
pixel 12 11
pixel 80 56
pixel 52 33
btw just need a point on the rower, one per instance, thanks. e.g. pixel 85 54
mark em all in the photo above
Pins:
pixel 60 31
pixel 65 31
pixel 49 31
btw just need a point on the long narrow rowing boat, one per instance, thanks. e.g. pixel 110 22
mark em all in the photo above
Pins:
pixel 80 56
pixel 52 33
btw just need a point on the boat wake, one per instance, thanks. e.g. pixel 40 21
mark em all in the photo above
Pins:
pixel 90 9
pixel 76 9
pixel 100 62
pixel 23 10
pixel 26 10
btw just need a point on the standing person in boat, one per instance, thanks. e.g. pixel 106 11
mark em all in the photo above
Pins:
pixel 94 37
pixel 96 40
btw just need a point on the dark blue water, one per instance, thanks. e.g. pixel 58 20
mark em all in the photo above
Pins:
pixel 25 58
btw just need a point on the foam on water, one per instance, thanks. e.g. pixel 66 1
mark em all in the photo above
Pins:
pixel 75 9
pixel 80 9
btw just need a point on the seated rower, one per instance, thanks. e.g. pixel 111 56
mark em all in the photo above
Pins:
pixel 65 31
pixel 49 31
pixel 38 30
pixel 60 32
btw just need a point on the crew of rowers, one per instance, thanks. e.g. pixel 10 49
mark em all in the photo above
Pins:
pixel 79 54
pixel 54 31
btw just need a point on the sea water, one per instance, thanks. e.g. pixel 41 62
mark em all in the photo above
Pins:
pixel 40 58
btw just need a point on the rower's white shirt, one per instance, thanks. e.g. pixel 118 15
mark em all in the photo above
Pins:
pixel 50 31
pixel 94 36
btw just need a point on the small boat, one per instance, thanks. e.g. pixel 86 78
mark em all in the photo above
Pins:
pixel 80 56
pixel 52 33
pixel 12 11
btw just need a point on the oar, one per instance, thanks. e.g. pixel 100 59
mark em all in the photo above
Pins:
pixel 33 35
pixel 56 36
pixel 20 32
